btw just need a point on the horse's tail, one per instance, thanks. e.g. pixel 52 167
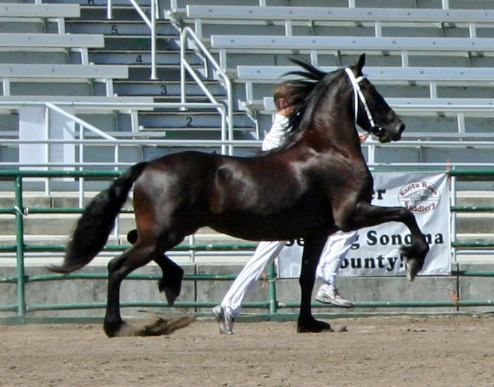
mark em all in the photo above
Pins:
pixel 97 221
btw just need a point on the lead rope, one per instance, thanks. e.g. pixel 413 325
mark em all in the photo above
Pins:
pixel 358 93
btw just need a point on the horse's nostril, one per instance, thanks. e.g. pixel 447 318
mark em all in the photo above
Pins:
pixel 402 128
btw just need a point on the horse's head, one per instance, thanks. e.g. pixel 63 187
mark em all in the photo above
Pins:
pixel 373 113
pixel 322 94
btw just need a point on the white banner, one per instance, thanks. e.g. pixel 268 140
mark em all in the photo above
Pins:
pixel 376 252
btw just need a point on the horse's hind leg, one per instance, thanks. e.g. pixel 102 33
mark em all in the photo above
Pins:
pixel 171 282
pixel 118 269
pixel 137 256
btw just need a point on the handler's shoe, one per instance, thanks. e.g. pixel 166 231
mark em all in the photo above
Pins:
pixel 224 318
pixel 330 295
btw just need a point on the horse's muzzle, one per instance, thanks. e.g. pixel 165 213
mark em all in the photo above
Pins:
pixel 376 130
pixel 388 134
pixel 401 129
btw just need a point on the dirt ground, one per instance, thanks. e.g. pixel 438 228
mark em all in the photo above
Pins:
pixel 374 351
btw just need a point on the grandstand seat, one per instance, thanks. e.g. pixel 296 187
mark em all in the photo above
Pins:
pixel 337 13
pixel 315 45
pixel 80 103
pixel 254 76
pixel 51 40
pixel 39 16
pixel 39 10
pixel 60 73
pixel 291 16
pixel 458 117
pixel 457 75
pixel 429 106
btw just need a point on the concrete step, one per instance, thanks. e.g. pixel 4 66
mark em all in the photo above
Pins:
pixel 55 56
pixel 22 25
pixel 70 199
pixel 132 57
pixel 118 27
pixel 481 223
pixel 121 12
pixel 54 200
pixel 203 237
pixel 475 198
pixel 187 119
pixel 163 88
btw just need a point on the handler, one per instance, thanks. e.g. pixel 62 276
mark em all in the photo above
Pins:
pixel 334 251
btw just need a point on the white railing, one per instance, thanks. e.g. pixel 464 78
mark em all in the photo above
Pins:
pixel 150 22
pixel 187 35
pixel 104 139
pixel 77 120
pixel 368 148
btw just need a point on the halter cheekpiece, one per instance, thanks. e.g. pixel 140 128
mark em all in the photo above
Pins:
pixel 374 129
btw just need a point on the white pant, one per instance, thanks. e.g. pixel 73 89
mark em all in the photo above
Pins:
pixel 334 251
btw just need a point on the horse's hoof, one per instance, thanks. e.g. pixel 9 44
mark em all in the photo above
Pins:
pixel 414 256
pixel 413 268
pixel 171 284
pixel 132 236
pixel 114 329
pixel 313 326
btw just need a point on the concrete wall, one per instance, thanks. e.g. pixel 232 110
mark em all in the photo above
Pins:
pixel 358 289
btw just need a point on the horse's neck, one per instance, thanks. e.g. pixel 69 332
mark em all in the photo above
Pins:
pixel 335 119
pixel 338 133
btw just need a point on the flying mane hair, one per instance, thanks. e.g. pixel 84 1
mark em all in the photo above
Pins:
pixel 307 92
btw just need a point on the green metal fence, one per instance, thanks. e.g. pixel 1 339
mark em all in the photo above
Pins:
pixel 21 309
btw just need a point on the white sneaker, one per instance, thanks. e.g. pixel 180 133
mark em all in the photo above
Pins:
pixel 330 295
pixel 224 318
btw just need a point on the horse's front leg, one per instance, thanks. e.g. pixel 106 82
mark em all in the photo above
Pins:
pixel 310 258
pixel 414 255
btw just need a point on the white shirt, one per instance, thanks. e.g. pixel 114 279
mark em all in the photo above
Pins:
pixel 276 134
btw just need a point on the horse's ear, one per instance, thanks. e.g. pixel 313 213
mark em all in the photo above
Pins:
pixel 361 63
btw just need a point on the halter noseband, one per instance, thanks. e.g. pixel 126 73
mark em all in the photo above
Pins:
pixel 374 129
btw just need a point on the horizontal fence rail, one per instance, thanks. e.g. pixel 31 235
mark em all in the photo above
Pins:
pixel 21 309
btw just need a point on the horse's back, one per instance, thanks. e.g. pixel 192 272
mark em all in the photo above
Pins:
pixel 180 172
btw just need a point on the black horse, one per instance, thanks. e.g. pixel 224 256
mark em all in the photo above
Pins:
pixel 315 184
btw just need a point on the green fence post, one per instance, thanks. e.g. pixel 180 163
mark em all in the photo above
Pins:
pixel 273 303
pixel 19 220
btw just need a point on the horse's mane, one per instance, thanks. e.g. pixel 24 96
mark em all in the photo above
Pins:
pixel 307 92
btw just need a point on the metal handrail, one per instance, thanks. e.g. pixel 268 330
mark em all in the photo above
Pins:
pixel 150 22
pixel 188 33
pixel 273 304
pixel 77 120
pixel 105 138
pixel 252 144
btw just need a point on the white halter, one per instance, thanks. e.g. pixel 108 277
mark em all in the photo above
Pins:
pixel 360 96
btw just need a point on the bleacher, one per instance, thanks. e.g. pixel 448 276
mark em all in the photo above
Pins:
pixel 433 60
pixel 79 72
